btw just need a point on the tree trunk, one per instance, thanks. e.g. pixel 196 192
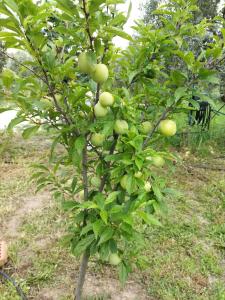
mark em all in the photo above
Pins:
pixel 81 278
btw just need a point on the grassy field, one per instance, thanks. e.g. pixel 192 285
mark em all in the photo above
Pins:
pixel 185 258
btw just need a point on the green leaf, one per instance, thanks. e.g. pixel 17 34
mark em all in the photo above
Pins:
pixel 179 93
pixel 15 122
pixel 123 273
pixel 148 219
pixel 210 76
pixel 79 144
pixel 106 235
pixel 86 229
pixel 104 216
pixel 118 32
pixel 97 227
pixel 3 109
pixel 94 6
pixel 112 197
pixel 83 244
pixel 28 132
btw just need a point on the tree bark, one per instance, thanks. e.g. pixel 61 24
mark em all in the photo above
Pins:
pixel 81 278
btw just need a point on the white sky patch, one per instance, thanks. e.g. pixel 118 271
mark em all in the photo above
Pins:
pixel 134 15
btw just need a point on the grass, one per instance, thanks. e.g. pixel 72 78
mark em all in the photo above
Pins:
pixel 185 258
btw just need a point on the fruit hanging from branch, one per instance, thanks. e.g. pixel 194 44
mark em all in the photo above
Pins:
pixel 106 99
pixel 97 139
pixel 158 161
pixel 121 127
pixel 100 111
pixel 168 127
pixel 100 73
pixel 114 259
pixel 146 127
pixel 84 63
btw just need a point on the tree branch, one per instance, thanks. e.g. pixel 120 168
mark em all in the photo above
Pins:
pixel 112 149
pixel 21 64
pixel 86 14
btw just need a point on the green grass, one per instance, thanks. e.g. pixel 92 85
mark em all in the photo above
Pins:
pixel 197 141
pixel 185 258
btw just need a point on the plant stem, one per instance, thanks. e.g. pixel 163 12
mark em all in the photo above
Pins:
pixel 112 149
pixel 82 273
pixel 84 261
pixel 86 14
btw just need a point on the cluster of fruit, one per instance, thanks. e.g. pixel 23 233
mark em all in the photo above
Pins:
pixel 100 73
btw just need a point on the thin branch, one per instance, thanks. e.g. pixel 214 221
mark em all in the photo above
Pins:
pixel 85 171
pixel 112 149
pixel 97 94
pixel 50 87
pixel 86 14
pixel 21 64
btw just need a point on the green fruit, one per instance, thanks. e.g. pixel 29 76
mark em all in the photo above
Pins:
pixel 81 114
pixel 168 127
pixel 81 195
pixel 100 73
pixel 158 161
pixel 106 99
pixel 96 182
pixel 100 111
pixel 146 127
pixel 138 174
pixel 121 127
pixel 97 139
pixel 123 182
pixel 114 259
pixel 84 63
pixel 148 187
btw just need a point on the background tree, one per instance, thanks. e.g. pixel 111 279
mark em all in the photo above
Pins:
pixel 208 9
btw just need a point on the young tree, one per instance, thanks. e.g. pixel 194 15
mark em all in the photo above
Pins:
pixel 108 108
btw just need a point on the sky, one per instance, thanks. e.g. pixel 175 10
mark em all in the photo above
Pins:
pixel 135 14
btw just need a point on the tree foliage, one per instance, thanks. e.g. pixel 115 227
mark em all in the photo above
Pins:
pixel 207 9
pixel 107 177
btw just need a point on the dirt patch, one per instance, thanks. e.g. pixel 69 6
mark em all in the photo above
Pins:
pixel 29 204
pixel 111 289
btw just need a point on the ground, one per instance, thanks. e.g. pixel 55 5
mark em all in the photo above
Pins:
pixel 185 259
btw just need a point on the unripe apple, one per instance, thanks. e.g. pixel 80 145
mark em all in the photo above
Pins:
pixel 168 127
pixel 97 139
pixel 106 99
pixel 148 187
pixel 114 259
pixel 123 182
pixel 146 127
pixel 96 182
pixel 81 114
pixel 81 195
pixel 100 73
pixel 121 127
pixel 158 161
pixel 100 111
pixel 84 63
pixel 138 174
